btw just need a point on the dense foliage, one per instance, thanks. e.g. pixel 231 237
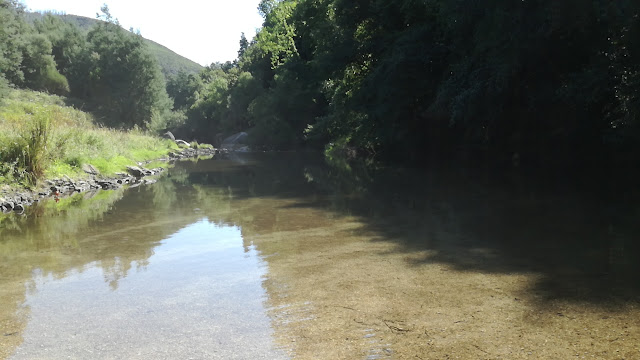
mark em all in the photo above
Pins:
pixel 107 69
pixel 528 81
pixel 536 82
pixel 170 62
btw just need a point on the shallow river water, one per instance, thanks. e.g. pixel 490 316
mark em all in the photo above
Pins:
pixel 282 256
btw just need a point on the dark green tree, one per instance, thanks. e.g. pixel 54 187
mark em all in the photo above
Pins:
pixel 12 29
pixel 122 78
pixel 66 39
pixel 244 44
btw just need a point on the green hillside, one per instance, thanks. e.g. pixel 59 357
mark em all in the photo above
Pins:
pixel 170 62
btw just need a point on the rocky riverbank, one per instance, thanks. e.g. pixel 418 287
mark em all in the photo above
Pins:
pixel 16 200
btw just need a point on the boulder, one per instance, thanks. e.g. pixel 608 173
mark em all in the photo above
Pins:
pixel 156 171
pixel 237 138
pixel 107 185
pixel 169 135
pixel 89 169
pixel 135 171
pixel 81 186
pixel 183 144
pixel 236 141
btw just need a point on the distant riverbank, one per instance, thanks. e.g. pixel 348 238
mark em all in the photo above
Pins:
pixel 49 148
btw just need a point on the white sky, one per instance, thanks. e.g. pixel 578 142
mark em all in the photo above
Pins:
pixel 204 31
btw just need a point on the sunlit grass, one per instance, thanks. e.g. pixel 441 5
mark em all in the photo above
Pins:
pixel 41 137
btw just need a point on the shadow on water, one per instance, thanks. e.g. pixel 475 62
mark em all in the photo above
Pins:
pixel 578 242
pixel 581 241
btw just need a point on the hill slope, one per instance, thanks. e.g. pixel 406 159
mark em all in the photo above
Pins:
pixel 170 62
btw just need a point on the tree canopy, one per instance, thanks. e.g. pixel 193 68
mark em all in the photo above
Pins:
pixel 542 81
pixel 109 69
pixel 539 81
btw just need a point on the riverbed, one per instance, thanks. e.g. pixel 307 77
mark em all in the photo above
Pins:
pixel 286 256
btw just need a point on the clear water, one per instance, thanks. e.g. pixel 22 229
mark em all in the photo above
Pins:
pixel 280 256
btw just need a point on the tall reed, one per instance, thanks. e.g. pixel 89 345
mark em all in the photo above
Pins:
pixel 36 138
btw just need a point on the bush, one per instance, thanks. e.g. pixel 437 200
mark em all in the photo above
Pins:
pixel 54 82
pixel 4 88
pixel 40 137
pixel 25 155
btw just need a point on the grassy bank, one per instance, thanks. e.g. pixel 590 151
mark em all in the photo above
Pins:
pixel 41 137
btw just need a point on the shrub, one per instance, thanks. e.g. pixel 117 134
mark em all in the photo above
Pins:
pixel 54 82
pixel 36 138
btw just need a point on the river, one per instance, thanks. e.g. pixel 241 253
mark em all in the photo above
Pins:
pixel 283 256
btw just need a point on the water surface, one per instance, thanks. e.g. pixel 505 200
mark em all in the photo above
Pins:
pixel 284 256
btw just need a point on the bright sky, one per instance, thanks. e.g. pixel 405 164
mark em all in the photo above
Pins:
pixel 204 31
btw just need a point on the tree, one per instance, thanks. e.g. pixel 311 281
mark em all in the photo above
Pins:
pixel 123 79
pixel 265 7
pixel 543 81
pixel 39 68
pixel 12 29
pixel 66 39
pixel 25 56
pixel 244 44
pixel 184 89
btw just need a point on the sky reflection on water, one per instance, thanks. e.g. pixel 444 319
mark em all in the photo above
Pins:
pixel 198 296
pixel 276 255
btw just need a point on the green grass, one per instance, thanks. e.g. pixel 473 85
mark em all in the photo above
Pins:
pixel 41 137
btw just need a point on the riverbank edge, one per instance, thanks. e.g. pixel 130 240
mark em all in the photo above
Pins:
pixel 16 199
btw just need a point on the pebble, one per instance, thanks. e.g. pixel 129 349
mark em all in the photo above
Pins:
pixel 12 200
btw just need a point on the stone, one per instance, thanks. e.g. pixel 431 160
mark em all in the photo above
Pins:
pixel 108 185
pixel 135 185
pixel 135 171
pixel 81 186
pixel 18 208
pixel 90 169
pixel 169 135
pixel 235 141
pixel 183 144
